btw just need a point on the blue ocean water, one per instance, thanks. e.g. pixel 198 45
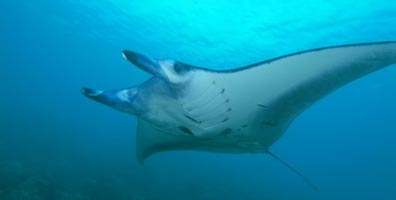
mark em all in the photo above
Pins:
pixel 56 144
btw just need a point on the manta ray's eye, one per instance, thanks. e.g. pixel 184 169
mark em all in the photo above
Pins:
pixel 181 68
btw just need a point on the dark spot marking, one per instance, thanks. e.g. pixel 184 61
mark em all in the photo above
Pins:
pixel 229 109
pixel 213 82
pixel 269 123
pixel 226 119
pixel 222 91
pixel 238 129
pixel 244 126
pixel 186 130
pixel 226 132
pixel 192 119
pixel 227 100
pixel 262 106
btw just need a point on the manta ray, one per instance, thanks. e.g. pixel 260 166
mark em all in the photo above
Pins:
pixel 241 110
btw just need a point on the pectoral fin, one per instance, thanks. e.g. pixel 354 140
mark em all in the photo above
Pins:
pixel 151 140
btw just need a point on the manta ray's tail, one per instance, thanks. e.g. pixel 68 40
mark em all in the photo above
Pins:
pixel 293 169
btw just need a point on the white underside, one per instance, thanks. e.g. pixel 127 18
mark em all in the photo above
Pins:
pixel 263 100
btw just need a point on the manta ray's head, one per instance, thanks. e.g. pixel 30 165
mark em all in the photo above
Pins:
pixel 168 77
